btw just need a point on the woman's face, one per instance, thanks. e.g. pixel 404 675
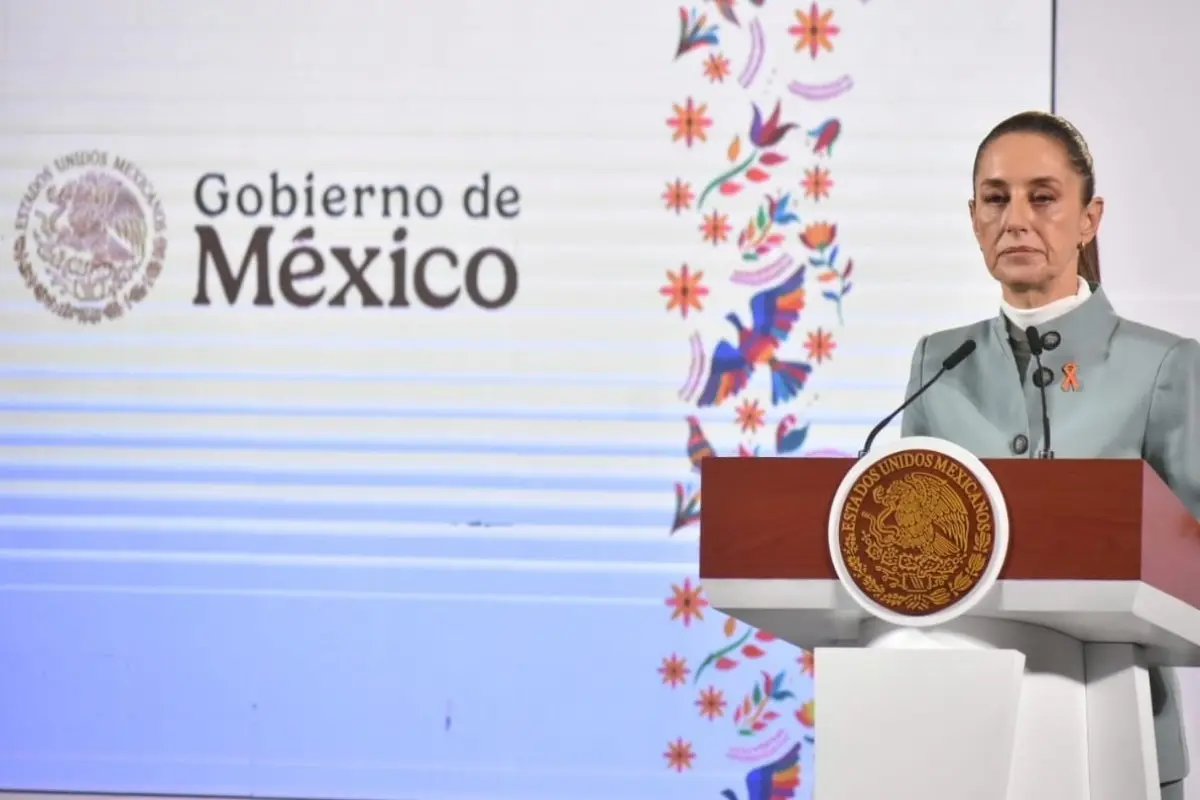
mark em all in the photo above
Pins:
pixel 1029 217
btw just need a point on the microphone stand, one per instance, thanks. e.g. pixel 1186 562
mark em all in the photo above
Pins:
pixel 948 363
pixel 1041 379
pixel 883 423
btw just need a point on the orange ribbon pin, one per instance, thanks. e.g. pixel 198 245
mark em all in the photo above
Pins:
pixel 1070 381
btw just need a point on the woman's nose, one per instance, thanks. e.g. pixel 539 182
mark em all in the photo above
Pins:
pixel 1019 215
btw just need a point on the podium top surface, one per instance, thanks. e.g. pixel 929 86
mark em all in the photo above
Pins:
pixel 1069 519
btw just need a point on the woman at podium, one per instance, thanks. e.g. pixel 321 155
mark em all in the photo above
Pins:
pixel 1118 389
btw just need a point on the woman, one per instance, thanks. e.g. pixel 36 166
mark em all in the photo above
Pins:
pixel 1117 389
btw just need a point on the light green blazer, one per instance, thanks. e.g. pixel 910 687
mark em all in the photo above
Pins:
pixel 1138 397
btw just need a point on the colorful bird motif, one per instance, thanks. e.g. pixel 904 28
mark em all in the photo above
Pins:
pixel 789 438
pixel 775 781
pixel 825 135
pixel 698 447
pixel 774 312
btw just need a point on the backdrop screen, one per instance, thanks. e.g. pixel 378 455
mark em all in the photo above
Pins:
pixel 357 357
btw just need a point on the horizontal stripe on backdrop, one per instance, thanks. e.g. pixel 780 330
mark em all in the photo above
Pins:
pixel 467 512
pixel 319 528
pixel 236 476
pixel 436 542
pixel 302 444
pixel 37 406
pixel 269 376
pixel 316 574
pixel 334 594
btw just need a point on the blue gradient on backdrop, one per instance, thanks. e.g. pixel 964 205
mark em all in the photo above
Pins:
pixel 334 697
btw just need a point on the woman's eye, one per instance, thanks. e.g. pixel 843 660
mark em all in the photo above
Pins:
pixel 995 198
pixel 1043 198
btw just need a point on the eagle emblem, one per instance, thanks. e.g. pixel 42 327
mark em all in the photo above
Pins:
pixel 917 535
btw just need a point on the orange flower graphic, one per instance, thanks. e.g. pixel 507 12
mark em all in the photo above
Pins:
pixel 716 68
pixel 807 714
pixel 711 703
pixel 687 602
pixel 814 31
pixel 679 755
pixel 690 122
pixel 715 228
pixel 750 416
pixel 678 195
pixel 820 345
pixel 807 662
pixel 674 670
pixel 818 235
pixel 684 291
pixel 817 183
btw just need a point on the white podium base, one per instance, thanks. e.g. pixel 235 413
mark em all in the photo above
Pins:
pixel 982 709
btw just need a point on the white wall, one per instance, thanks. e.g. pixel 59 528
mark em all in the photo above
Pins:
pixel 1128 82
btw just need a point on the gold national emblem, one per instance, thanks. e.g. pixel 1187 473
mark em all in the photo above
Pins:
pixel 917 532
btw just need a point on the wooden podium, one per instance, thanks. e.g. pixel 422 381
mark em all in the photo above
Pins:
pixel 1040 692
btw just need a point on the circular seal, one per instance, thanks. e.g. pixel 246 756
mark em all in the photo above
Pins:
pixel 918 532
pixel 90 236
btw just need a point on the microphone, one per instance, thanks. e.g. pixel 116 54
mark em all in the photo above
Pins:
pixel 1041 379
pixel 950 362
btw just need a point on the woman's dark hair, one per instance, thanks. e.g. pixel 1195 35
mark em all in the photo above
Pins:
pixel 1080 159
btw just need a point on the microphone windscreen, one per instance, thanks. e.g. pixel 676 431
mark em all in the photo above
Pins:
pixel 961 352
pixel 1034 339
